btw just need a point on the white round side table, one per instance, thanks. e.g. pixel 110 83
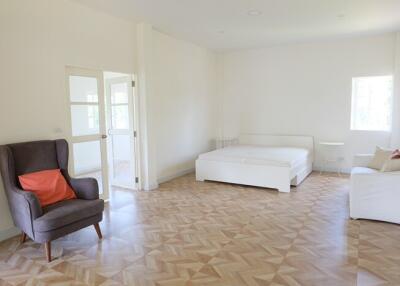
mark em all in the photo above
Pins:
pixel 332 154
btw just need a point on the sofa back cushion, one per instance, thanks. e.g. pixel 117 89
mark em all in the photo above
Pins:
pixel 391 165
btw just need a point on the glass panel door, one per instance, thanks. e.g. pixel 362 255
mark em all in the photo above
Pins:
pixel 88 131
pixel 120 126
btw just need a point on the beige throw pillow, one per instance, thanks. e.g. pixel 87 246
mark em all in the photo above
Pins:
pixel 380 158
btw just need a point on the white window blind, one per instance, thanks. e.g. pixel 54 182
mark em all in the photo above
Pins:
pixel 371 106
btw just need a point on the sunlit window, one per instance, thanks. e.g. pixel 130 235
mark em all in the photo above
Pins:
pixel 371 104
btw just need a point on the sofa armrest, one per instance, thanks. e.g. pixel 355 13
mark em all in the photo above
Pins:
pixel 362 160
pixel 85 188
pixel 375 196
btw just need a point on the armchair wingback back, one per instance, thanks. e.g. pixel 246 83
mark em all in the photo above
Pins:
pixel 35 156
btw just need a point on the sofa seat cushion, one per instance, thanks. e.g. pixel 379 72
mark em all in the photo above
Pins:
pixel 66 212
pixel 363 170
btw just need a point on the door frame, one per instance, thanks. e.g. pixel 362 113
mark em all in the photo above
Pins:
pixel 137 129
pixel 101 137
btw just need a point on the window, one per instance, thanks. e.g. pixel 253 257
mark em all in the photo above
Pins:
pixel 371 104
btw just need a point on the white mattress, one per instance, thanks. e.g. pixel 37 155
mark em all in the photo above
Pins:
pixel 259 155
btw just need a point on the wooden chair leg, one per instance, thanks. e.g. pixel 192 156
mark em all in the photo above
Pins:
pixel 47 247
pixel 98 230
pixel 23 237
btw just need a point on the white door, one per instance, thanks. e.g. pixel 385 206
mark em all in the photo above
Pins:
pixel 88 153
pixel 121 132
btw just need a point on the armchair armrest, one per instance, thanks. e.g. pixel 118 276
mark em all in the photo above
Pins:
pixel 85 188
pixel 20 196
pixel 362 160
pixel 25 208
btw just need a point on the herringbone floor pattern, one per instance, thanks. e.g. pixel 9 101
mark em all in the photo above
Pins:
pixel 194 233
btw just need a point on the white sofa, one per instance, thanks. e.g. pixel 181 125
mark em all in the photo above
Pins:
pixel 374 195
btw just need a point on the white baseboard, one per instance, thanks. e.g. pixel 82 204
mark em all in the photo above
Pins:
pixel 175 175
pixel 151 187
pixel 8 233
pixel 331 169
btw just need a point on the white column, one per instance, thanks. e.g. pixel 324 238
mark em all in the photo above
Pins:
pixel 220 94
pixel 147 136
pixel 395 138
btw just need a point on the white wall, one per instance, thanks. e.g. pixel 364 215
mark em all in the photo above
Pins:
pixel 38 39
pixel 184 103
pixel 303 89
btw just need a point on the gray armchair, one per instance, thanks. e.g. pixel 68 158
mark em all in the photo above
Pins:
pixel 45 224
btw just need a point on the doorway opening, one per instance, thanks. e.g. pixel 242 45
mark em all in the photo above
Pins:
pixel 121 129
pixel 103 129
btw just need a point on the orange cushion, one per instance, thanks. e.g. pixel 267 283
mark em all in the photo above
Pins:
pixel 50 186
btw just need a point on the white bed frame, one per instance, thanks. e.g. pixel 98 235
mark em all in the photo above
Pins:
pixel 260 175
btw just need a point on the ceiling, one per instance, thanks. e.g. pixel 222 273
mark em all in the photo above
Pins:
pixel 227 25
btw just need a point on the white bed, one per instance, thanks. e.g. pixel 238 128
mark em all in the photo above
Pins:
pixel 271 161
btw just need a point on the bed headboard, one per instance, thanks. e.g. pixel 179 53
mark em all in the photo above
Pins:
pixel 278 140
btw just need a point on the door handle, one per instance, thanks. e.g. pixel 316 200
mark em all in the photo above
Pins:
pixel 103 136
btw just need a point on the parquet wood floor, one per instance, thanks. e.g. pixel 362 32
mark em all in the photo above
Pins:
pixel 205 233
